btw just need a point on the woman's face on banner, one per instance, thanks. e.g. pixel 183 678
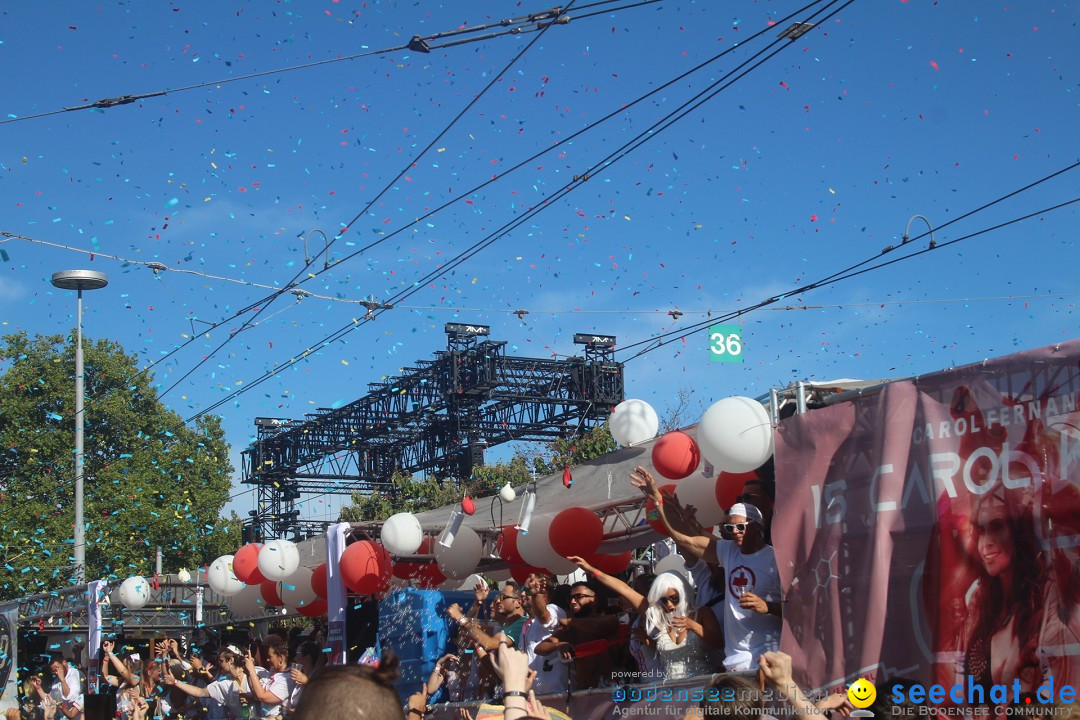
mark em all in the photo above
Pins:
pixel 995 538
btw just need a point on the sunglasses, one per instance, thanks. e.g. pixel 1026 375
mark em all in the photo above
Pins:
pixel 506 597
pixel 732 527
pixel 579 596
pixel 673 599
pixel 745 497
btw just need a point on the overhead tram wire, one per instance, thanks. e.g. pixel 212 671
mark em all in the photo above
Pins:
pixel 288 286
pixel 657 341
pixel 292 287
pixel 511 26
pixel 851 268
pixel 653 131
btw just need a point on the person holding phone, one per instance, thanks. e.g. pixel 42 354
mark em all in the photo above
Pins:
pixel 272 691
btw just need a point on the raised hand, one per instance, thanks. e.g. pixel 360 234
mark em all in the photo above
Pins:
pixel 582 563
pixel 644 481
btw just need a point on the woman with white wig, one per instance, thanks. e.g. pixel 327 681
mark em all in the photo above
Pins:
pixel 679 633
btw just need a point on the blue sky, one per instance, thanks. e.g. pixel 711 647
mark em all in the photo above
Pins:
pixel 813 161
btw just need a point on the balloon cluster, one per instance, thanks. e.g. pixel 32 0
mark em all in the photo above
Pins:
pixel 734 438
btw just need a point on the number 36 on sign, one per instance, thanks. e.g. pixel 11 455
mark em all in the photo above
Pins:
pixel 725 344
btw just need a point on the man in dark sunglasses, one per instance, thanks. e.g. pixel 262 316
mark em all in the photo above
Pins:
pixel 751 609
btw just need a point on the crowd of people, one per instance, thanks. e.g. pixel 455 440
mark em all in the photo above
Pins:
pixel 167 679
pixel 515 644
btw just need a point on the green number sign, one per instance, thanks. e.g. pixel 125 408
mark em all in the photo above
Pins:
pixel 725 343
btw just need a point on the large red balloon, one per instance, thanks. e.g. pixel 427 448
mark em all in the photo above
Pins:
pixel 318 580
pixel 313 610
pixel 652 515
pixel 506 546
pixel 365 567
pixel 675 455
pixel 268 590
pixel 575 531
pixel 610 564
pixel 729 486
pixel 408 570
pixel 245 564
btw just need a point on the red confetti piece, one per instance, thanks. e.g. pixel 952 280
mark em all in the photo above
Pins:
pixel 934 65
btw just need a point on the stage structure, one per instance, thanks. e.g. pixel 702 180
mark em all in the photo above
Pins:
pixel 436 418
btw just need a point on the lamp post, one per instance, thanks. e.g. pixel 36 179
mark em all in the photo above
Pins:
pixel 79 280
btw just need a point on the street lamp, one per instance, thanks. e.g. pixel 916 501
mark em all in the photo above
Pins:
pixel 79 280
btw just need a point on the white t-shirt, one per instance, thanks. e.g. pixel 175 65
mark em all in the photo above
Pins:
pixel 281 684
pixel 226 696
pixel 74 683
pixel 551 671
pixel 748 633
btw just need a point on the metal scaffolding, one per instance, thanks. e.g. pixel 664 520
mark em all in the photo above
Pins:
pixel 436 418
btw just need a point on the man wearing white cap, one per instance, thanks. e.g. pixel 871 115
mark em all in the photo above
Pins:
pixel 751 611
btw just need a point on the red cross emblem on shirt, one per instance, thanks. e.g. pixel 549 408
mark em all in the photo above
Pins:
pixel 741 580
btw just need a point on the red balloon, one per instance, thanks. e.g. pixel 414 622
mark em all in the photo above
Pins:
pixel 467 505
pixel 313 610
pixel 521 573
pixel 675 455
pixel 575 531
pixel 610 564
pixel 652 515
pixel 268 590
pixel 318 580
pixel 506 546
pixel 729 486
pixel 365 567
pixel 407 570
pixel 245 564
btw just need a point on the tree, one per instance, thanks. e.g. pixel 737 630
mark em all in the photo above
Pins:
pixel 149 479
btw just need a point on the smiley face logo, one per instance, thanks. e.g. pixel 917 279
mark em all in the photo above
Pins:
pixel 861 693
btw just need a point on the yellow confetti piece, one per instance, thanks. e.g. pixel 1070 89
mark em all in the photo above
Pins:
pixel 441 150
pixel 344 362
pixel 626 217
pixel 832 191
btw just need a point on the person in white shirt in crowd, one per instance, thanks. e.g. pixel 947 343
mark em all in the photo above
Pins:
pixel 227 696
pixel 751 612
pixel 552 673
pixel 53 708
pixel 68 684
pixel 272 692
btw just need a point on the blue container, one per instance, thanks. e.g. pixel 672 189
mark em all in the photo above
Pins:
pixel 414 624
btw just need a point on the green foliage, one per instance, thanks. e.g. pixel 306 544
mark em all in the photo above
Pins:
pixel 573 451
pixel 149 480
pixel 416 495
pixel 409 495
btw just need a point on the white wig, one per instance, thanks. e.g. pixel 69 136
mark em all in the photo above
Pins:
pixel 665 582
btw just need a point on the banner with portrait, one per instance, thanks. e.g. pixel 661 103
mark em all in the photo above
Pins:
pixel 930 529
pixel 9 655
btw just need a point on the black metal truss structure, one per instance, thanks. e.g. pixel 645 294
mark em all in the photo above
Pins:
pixel 436 418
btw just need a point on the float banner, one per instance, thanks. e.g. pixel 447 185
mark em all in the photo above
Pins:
pixel 336 594
pixel 9 661
pixel 930 530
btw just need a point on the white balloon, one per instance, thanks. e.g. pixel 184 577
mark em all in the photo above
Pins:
pixel 135 593
pixel 247 602
pixel 736 435
pixel 278 559
pixel 507 494
pixel 295 591
pixel 221 578
pixel 674 561
pixel 700 492
pixel 402 534
pixel 535 547
pixel 633 421
pixel 459 560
